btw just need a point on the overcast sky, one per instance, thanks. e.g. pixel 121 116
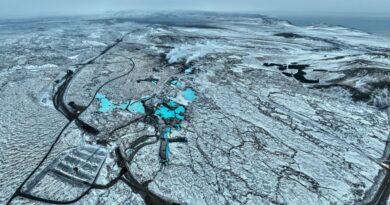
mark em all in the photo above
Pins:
pixel 27 8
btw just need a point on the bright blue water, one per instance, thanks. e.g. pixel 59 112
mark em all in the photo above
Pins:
pixel 166 136
pixel 164 112
pixel 136 107
pixel 177 126
pixel 176 83
pixel 188 71
pixel 107 105
pixel 179 111
pixel 189 94
pixel 166 133
pixel 174 111
pixel 100 96
pixel 172 103
pixel 167 151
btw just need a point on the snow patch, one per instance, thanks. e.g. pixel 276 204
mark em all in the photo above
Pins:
pixel 94 43
pixel 73 57
pixel 37 67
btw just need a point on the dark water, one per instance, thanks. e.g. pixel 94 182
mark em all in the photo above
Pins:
pixel 379 25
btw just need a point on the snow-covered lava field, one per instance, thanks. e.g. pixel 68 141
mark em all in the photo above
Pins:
pixel 192 108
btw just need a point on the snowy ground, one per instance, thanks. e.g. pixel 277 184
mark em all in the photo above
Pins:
pixel 264 112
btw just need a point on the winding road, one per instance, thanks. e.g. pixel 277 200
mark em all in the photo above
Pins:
pixel 72 116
